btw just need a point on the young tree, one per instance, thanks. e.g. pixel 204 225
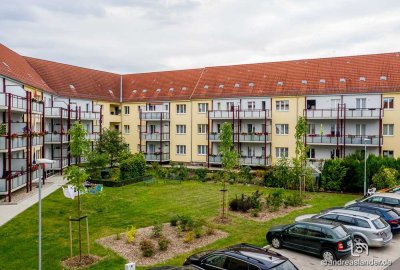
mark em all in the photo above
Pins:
pixel 230 158
pixel 333 174
pixel 385 178
pixel 112 144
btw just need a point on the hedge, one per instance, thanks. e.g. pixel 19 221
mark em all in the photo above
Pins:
pixel 110 183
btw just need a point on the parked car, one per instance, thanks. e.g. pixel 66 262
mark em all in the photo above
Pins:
pixel 395 189
pixel 366 228
pixel 240 257
pixel 389 214
pixel 389 199
pixel 327 239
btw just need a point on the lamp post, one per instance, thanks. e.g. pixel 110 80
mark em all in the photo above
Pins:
pixel 365 165
pixel 41 162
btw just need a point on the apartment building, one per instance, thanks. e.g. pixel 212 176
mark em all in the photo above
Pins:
pixel 350 104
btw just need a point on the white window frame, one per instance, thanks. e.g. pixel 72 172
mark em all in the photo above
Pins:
pixel 202 107
pixel 201 150
pixel 361 103
pixel 388 153
pixel 387 101
pixel 127 110
pixel 181 108
pixel 200 128
pixel 180 129
pixel 361 129
pixel 311 129
pixel 282 105
pixel 127 128
pixel 181 149
pixel 282 152
pixel 151 107
pixel 251 105
pixel 282 129
pixel 388 130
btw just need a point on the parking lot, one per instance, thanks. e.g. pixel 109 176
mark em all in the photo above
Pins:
pixel 308 262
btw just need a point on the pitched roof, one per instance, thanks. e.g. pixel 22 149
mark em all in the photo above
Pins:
pixel 159 86
pixel 351 74
pixel 77 82
pixel 14 66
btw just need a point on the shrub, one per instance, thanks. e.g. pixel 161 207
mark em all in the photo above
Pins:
pixel 198 231
pixel 157 230
pixel 132 167
pixel 158 171
pixel 115 174
pixel 274 200
pixel 95 163
pixel 255 212
pixel 117 236
pixel 201 174
pixel 186 223
pixel 245 203
pixel 385 178
pixel 174 221
pixel 189 237
pixel 163 243
pixel 293 199
pixel 147 248
pixel 333 174
pixel 130 235
pixel 245 174
pixel 210 230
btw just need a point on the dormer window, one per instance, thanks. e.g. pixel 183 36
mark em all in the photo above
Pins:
pixel 251 84
pixel 71 86
pixel 280 84
pixel 144 90
pixel 133 91
pixel 171 89
pixel 206 86
pixel 221 86
pixel 322 81
pixel 303 81
pixel 362 79
pixel 158 90
pixel 383 78
pixel 184 88
pixel 237 85
pixel 342 80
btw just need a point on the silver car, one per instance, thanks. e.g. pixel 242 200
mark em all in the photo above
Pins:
pixel 388 199
pixel 366 228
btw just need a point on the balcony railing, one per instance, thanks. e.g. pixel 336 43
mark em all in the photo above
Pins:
pixel 18 180
pixel 17 128
pixel 57 164
pixel 16 143
pixel 96 129
pixel 37 140
pixel 348 140
pixel 372 113
pixel 56 112
pixel 242 114
pixel 252 161
pixel 146 115
pixel 157 157
pixel 256 137
pixel 92 136
pixel 16 102
pixel 37 107
pixel 87 115
pixel 55 138
pixel 155 136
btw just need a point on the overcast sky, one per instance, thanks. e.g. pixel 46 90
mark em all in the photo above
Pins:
pixel 130 36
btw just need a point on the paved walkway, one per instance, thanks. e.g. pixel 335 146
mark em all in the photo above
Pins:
pixel 8 212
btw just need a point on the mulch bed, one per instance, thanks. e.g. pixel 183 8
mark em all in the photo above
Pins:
pixel 266 215
pixel 75 263
pixel 132 252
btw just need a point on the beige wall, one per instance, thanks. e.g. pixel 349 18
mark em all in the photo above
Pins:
pixel 110 120
pixel 132 119
pixel 180 139
pixel 296 107
pixel 392 116
pixel 198 139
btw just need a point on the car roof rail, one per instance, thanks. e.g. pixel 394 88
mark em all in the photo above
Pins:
pixel 232 249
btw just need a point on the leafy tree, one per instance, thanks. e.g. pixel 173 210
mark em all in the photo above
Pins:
pixel 283 175
pixel 112 144
pixel 95 163
pixel 301 172
pixel 133 167
pixel 158 170
pixel 333 174
pixel 79 145
pixel 245 174
pixel 385 178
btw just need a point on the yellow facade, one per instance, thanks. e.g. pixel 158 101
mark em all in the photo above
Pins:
pixel 180 139
pixel 391 116
pixel 132 120
pixel 110 120
pixel 198 118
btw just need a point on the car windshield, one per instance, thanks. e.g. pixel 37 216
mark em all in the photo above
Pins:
pixel 393 214
pixel 379 223
pixel 340 231
pixel 286 265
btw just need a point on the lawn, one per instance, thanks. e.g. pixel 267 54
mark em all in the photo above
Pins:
pixel 117 208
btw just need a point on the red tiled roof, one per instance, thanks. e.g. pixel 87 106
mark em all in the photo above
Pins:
pixel 14 66
pixel 77 82
pixel 303 77
pixel 158 86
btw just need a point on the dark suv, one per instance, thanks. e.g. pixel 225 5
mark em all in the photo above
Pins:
pixel 327 239
pixel 241 257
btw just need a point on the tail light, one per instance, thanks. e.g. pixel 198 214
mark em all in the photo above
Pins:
pixel 394 221
pixel 340 246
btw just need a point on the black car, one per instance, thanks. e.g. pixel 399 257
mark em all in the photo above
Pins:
pixel 327 239
pixel 240 257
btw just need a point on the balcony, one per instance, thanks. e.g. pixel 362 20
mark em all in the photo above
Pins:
pixel 16 103
pixel 243 114
pixel 96 129
pixel 37 140
pixel 17 143
pixel 155 136
pixel 92 136
pixel 370 113
pixel 367 140
pixel 150 115
pixel 158 157
pixel 85 115
pixel 244 137
pixel 37 107
pixel 73 160
pixel 59 112
pixel 59 164
pixel 55 138
pixel 250 161
pixel 18 181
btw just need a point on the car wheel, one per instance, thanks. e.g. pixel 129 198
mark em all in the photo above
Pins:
pixel 328 255
pixel 359 240
pixel 276 243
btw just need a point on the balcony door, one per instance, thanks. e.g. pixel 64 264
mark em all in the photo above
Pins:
pixel 251 128
pixel 251 151
pixel 152 148
pixel 361 129
pixel 361 103
pixel 152 129
pixel 230 106
pixel 335 103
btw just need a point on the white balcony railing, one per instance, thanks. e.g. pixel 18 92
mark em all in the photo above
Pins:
pixel 15 102
pixel 157 157
pixel 92 136
pixel 16 143
pixel 239 114
pixel 18 181
pixel 55 138
pixel 155 136
pixel 37 140
pixel 251 161
pixel 241 137
pixel 37 107
pixel 150 115
pixel 56 112
pixel 368 113
pixel 368 140
pixel 59 163
pixel 85 115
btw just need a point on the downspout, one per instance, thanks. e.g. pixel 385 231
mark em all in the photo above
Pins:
pixel 9 176
pixel 380 137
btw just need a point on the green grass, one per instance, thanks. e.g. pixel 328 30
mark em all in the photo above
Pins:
pixel 117 208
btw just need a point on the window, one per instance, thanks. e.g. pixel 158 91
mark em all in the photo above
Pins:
pixel 235 264
pixel 329 217
pixel 388 103
pixel 251 128
pixel 391 202
pixel 126 110
pixel 298 229
pixel 251 151
pixel 311 103
pixel 87 107
pixel 230 106
pixel 375 199
pixel 263 105
pixel 152 129
pixel 219 106
pixel 345 220
pixel 217 261
pixel 151 107
pixel 181 108
pixel 388 153
pixel 311 153
pixel 311 129
pixel 180 129
pixel 334 103
pixel 203 107
pixel 388 129
pixel 361 129
pixel 202 128
pixel 314 231
pixel 251 105
pixel 362 223
pixel 282 152
pixel 282 129
pixel 282 105
pixel 181 149
pixel 126 129
pixel 202 150
pixel 361 103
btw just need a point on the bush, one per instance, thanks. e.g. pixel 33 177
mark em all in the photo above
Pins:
pixel 210 230
pixel 163 243
pixel 198 231
pixel 174 221
pixel 385 178
pixel 333 174
pixel 157 230
pixel 132 167
pixel 245 174
pixel 118 236
pixel 186 223
pixel 130 235
pixel 274 200
pixel 255 212
pixel 115 174
pixel 245 203
pixel 147 248
pixel 158 171
pixel 95 163
pixel 293 199
pixel 201 174
pixel 189 237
